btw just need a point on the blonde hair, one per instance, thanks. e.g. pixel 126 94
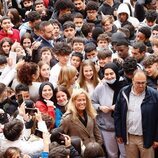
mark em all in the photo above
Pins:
pixel 89 108
pixel 81 79
pixel 106 18
pixel 67 73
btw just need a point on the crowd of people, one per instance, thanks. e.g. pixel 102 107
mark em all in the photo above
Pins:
pixel 79 79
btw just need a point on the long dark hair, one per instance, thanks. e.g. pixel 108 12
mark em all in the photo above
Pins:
pixel 41 89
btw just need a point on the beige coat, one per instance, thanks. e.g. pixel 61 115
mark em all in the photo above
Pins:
pixel 72 127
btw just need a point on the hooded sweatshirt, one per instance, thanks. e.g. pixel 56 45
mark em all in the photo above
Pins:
pixel 24 28
pixel 123 8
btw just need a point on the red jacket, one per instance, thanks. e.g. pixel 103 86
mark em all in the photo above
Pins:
pixel 43 108
pixel 14 37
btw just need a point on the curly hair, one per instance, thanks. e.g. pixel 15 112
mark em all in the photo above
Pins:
pixel 26 71
pixel 150 60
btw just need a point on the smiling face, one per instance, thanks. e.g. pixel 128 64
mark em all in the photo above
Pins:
pixel 109 74
pixel 61 97
pixel 88 72
pixel 47 92
pixel 80 103
pixel 152 70
pixel 78 47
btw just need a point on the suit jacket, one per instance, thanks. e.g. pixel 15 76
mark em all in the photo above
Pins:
pixel 90 133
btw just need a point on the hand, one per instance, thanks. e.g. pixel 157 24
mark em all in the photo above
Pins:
pixel 46 140
pixel 36 44
pixel 10 61
pixel 9 31
pixel 119 140
pixel 21 109
pixel 49 103
pixel 38 116
pixel 26 156
pixel 67 140
pixel 155 144
pixel 113 107
pixel 27 117
pixel 29 51
pixel 105 109
pixel 14 46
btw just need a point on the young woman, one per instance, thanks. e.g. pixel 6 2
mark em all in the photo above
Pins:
pixel 45 103
pixel 28 73
pixel 26 40
pixel 44 71
pixel 79 120
pixel 15 17
pixel 67 77
pixel 103 99
pixel 88 77
pixel 5 46
pixel 62 97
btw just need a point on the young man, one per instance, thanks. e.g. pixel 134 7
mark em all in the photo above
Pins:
pixel 78 45
pixel 80 7
pixel 23 7
pixel 8 31
pixel 91 52
pixel 150 64
pixel 123 16
pixel 103 41
pixel 34 19
pixel 143 34
pixel 104 57
pixel 139 51
pixel 62 52
pixel 69 30
pixel 76 60
pixel 150 19
pixel 78 21
pixel 92 13
pixel 122 48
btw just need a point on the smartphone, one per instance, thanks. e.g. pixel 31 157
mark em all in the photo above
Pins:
pixel 20 99
pixel 31 111
pixel 38 133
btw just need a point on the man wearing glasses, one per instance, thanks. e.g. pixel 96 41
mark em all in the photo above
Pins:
pixel 136 118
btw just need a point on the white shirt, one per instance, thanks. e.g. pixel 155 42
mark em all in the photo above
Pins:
pixel 134 116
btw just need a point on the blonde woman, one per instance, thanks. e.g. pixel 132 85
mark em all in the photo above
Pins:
pixel 88 77
pixel 67 77
pixel 79 120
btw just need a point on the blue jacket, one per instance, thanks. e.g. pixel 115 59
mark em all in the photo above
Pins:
pixel 149 111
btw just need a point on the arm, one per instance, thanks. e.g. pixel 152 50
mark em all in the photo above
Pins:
pixel 97 133
pixel 95 99
pixel 58 115
pixel 117 116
